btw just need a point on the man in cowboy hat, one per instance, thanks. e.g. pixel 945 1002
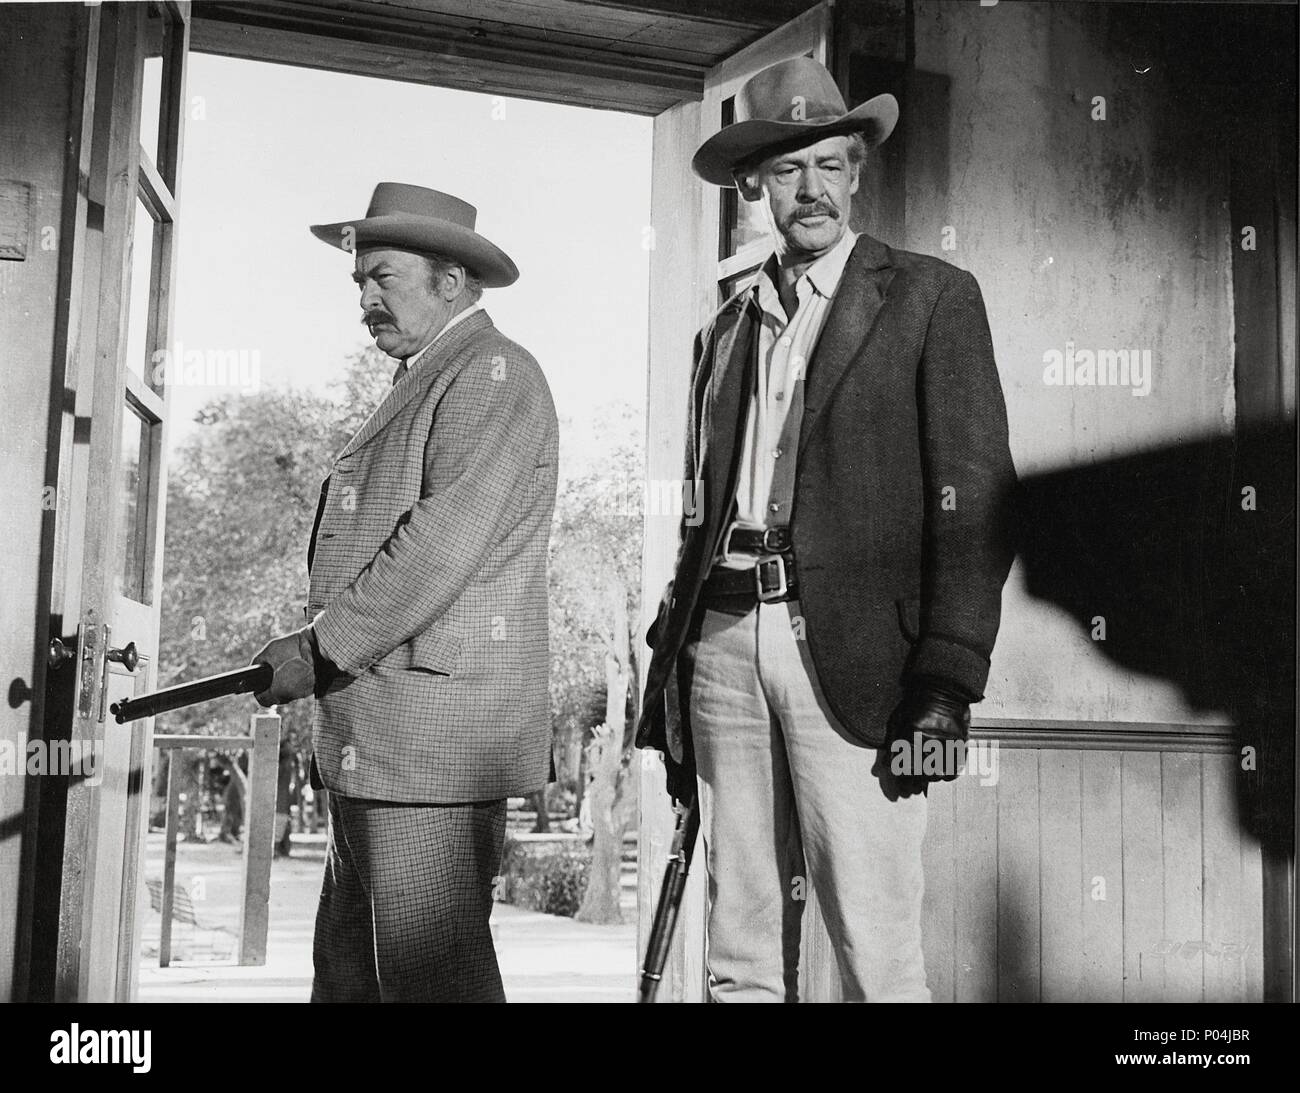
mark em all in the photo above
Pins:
pixel 426 642
pixel 839 594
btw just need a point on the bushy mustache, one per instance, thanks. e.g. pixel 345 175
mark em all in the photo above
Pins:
pixel 817 208
pixel 378 315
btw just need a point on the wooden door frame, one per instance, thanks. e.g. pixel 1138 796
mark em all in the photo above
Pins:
pixel 158 196
pixel 1261 174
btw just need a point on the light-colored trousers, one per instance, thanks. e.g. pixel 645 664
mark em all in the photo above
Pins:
pixel 787 795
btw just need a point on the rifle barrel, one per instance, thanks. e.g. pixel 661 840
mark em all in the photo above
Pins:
pixel 670 900
pixel 256 677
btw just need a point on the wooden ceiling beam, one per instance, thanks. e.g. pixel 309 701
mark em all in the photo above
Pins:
pixel 598 84
pixel 760 15
pixel 403 25
pixel 640 56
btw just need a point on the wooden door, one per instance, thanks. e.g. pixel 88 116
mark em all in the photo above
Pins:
pixel 114 476
pixel 706 242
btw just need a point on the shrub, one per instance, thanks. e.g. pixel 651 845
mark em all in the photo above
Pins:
pixel 547 875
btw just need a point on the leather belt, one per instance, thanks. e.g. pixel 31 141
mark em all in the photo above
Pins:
pixel 739 540
pixel 771 580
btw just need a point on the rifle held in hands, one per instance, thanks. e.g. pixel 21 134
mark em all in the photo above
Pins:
pixel 254 678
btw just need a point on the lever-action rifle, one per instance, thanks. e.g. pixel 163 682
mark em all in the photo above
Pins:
pixel 670 898
pixel 254 678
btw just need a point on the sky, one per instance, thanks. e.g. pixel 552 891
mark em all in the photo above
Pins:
pixel 270 149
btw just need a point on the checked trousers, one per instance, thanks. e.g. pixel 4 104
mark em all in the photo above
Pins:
pixel 404 907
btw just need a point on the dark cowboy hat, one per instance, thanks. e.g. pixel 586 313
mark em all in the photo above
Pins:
pixel 419 219
pixel 794 103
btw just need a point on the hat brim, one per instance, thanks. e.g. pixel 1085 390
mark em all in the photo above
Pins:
pixel 874 119
pixel 422 233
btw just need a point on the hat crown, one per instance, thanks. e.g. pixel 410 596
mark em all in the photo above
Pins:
pixel 798 90
pixel 401 197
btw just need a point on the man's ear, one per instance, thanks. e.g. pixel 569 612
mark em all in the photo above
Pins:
pixel 452 283
pixel 747 184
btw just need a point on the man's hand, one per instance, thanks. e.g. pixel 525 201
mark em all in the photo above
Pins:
pixel 295 676
pixel 926 741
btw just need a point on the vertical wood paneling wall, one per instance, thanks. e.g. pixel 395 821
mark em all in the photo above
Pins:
pixel 1084 874
pixel 678 292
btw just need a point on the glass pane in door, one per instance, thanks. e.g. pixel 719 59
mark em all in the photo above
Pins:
pixel 139 351
pixel 134 578
pixel 157 43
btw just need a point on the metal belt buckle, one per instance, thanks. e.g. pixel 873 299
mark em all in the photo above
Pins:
pixel 770 595
pixel 773 539
pixel 727 556
pixel 726 542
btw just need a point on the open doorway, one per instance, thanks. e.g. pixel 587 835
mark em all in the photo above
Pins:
pixel 270 374
pixel 980 149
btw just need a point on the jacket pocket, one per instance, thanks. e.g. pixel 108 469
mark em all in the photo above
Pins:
pixel 909 617
pixel 437 649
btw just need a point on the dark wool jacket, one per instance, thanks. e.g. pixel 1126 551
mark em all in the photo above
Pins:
pixel 902 486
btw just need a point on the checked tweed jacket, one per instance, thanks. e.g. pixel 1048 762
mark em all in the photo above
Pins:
pixel 902 485
pixel 428 581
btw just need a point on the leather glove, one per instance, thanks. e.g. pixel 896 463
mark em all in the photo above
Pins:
pixel 926 739
pixel 295 675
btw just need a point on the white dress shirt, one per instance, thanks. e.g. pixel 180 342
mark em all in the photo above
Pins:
pixel 765 484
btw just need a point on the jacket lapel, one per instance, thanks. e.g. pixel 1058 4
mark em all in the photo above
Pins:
pixel 419 375
pixel 857 302
pixel 722 422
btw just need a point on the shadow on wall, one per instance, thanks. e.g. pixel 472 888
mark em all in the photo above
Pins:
pixel 1188 554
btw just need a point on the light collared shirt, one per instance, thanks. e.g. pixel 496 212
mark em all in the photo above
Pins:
pixel 765 484
pixel 414 358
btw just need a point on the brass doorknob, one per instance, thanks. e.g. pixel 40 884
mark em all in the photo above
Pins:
pixel 58 654
pixel 128 656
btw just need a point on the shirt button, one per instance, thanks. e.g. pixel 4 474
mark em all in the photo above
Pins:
pixel 779 396
pixel 776 453
pixel 785 340
pixel 774 507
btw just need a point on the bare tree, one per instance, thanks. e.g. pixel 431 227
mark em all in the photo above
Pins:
pixel 595 561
